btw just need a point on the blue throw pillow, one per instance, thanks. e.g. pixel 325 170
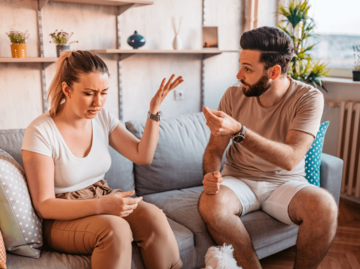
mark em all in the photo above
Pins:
pixel 313 156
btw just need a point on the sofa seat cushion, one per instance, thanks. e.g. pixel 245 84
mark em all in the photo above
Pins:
pixel 56 260
pixel 268 235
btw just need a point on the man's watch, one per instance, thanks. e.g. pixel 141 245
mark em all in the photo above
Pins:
pixel 240 136
pixel 156 116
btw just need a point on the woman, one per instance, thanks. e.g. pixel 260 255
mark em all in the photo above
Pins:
pixel 65 154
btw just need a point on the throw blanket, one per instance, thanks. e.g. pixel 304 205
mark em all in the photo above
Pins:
pixel 2 253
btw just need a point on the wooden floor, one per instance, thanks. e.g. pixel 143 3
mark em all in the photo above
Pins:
pixel 344 253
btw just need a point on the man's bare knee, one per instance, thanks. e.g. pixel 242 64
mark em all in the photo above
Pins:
pixel 214 208
pixel 315 205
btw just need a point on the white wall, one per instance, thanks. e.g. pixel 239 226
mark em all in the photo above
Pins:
pixel 266 13
pixel 95 28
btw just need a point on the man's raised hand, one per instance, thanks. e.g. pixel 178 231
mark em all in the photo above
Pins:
pixel 220 124
pixel 212 182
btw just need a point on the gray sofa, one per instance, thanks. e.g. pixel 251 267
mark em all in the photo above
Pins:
pixel 173 183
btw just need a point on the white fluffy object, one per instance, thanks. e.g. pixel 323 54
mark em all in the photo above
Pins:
pixel 220 258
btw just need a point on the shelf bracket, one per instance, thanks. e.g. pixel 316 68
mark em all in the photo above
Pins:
pixel 42 3
pixel 124 56
pixel 123 8
pixel 206 56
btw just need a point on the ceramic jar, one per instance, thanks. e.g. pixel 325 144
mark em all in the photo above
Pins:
pixel 136 41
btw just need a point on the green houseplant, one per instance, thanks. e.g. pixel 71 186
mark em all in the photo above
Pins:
pixel 300 27
pixel 356 71
pixel 61 39
pixel 18 43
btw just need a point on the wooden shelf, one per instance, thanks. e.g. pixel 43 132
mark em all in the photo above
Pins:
pixel 140 51
pixel 29 60
pixel 117 3
pixel 127 53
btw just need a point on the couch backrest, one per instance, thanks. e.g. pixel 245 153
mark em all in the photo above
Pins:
pixel 121 172
pixel 11 141
pixel 119 176
pixel 178 157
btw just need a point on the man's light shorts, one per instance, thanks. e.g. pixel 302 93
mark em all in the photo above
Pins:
pixel 271 197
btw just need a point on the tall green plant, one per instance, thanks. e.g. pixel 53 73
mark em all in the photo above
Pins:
pixel 300 28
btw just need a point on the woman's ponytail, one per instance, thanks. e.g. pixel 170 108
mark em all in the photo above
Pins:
pixel 55 93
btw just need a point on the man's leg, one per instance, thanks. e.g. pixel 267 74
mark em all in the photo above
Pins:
pixel 315 210
pixel 221 214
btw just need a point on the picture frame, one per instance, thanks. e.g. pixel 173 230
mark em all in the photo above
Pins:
pixel 210 37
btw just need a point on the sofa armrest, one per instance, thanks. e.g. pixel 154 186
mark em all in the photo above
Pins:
pixel 331 174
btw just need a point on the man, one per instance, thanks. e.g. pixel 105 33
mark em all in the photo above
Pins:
pixel 272 121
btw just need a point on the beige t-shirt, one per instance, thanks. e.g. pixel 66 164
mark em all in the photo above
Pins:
pixel 300 109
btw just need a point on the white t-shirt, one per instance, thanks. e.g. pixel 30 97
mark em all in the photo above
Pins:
pixel 72 173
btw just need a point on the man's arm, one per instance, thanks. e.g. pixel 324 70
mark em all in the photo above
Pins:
pixel 286 156
pixel 214 152
pixel 212 163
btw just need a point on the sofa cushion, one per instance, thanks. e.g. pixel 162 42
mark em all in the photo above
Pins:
pixel 19 224
pixel 56 260
pixel 267 234
pixel 178 157
pixel 121 172
pixel 313 156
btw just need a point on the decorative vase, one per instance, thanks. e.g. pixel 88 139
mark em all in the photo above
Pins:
pixel 18 51
pixel 177 44
pixel 136 41
pixel 356 75
pixel 61 48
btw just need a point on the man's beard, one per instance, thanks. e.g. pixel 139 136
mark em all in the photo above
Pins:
pixel 258 88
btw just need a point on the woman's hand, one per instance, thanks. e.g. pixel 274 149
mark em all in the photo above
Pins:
pixel 119 204
pixel 162 92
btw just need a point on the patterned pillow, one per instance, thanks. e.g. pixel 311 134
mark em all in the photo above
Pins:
pixel 313 156
pixel 19 224
pixel 2 253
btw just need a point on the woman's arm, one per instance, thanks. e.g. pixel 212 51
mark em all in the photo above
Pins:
pixel 142 152
pixel 39 170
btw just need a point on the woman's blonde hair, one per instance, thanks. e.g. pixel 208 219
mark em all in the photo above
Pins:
pixel 69 65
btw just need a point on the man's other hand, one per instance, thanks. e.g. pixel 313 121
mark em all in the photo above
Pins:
pixel 221 124
pixel 212 182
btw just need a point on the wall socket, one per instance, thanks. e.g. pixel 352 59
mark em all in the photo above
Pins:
pixel 179 95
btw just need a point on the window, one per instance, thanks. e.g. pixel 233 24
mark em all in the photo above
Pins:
pixel 338 31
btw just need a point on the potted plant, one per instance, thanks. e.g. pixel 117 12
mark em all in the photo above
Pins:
pixel 356 71
pixel 61 39
pixel 18 43
pixel 300 27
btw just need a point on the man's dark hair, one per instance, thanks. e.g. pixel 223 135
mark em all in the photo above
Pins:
pixel 275 45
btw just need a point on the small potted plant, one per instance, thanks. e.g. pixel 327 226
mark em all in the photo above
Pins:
pixel 18 43
pixel 356 71
pixel 61 39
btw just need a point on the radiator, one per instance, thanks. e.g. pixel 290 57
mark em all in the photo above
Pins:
pixel 348 147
